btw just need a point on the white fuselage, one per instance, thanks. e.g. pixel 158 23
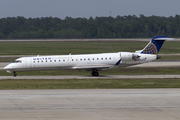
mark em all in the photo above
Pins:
pixel 79 62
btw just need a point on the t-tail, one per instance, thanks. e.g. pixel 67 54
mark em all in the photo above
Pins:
pixel 154 46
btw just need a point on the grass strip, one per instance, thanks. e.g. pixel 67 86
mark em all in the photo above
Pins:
pixel 89 84
pixel 81 47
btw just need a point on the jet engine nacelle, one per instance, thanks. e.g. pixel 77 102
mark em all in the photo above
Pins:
pixel 128 56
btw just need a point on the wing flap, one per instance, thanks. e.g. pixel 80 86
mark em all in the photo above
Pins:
pixel 92 67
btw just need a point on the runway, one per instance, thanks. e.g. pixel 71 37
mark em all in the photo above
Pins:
pixel 149 64
pixel 62 77
pixel 95 104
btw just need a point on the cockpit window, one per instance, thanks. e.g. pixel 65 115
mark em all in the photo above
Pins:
pixel 17 61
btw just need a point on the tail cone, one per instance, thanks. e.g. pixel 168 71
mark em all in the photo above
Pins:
pixel 158 56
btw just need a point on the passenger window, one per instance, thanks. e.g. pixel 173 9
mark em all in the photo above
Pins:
pixel 101 58
pixel 59 60
pixel 93 59
pixel 105 58
pixel 84 59
pixel 54 60
pixel 97 58
pixel 34 61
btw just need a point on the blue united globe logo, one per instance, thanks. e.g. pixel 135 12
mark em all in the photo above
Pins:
pixel 150 49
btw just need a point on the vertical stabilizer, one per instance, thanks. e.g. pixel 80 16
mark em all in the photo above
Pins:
pixel 154 46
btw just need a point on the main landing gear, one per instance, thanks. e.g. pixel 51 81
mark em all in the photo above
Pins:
pixel 15 74
pixel 95 73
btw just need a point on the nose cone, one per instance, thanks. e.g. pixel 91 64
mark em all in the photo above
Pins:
pixel 7 67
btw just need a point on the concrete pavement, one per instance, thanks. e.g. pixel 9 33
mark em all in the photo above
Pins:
pixel 62 77
pixel 95 104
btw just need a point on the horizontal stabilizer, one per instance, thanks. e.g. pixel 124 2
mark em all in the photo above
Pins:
pixel 164 39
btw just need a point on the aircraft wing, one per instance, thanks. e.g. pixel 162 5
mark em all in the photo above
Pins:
pixel 98 67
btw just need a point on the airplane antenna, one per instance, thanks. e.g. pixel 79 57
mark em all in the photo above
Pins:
pixel 70 54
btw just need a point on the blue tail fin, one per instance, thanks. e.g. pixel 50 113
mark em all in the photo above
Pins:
pixel 154 46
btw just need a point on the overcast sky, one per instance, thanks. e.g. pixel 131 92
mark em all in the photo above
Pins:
pixel 87 8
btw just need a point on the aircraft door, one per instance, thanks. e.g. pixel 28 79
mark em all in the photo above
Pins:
pixel 88 60
pixel 68 59
pixel 28 62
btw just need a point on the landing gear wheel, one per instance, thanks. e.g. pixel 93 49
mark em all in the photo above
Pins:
pixel 15 74
pixel 95 73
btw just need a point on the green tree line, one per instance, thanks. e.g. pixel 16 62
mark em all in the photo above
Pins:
pixel 99 27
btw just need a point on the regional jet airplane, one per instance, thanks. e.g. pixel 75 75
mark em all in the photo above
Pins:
pixel 90 62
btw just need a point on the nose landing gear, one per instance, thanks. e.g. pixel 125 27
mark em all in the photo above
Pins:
pixel 15 74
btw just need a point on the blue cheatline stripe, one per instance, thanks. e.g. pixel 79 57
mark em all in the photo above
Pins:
pixel 118 62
